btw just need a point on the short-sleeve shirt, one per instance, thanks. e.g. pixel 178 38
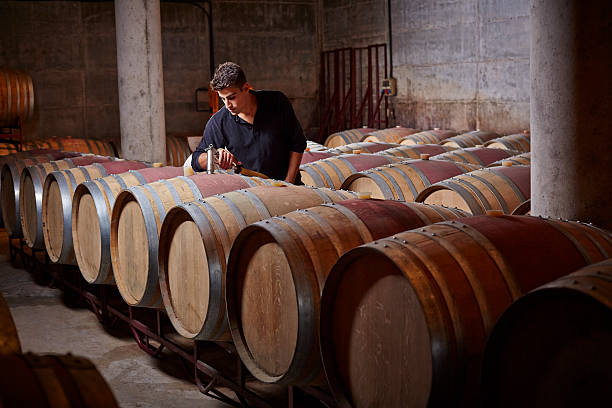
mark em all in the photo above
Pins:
pixel 265 145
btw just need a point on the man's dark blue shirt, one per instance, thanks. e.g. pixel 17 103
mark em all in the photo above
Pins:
pixel 263 146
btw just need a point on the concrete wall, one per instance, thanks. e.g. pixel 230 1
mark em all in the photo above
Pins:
pixel 460 64
pixel 69 49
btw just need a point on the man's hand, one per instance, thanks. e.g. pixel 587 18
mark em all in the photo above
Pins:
pixel 226 159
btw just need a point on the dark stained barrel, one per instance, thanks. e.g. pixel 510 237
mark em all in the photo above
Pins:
pixel 277 270
pixel 552 346
pixel 405 319
pixel 9 340
pixel 16 97
pixel 177 150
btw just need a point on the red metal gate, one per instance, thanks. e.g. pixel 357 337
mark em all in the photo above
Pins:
pixel 350 89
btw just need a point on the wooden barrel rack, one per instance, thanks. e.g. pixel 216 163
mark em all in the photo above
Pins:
pixel 150 330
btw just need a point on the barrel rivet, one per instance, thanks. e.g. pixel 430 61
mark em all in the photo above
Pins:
pixel 385 246
pixel 404 242
pixel 433 234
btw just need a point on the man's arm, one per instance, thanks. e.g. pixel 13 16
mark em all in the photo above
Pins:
pixel 295 159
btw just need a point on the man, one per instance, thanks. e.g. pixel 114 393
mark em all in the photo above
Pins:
pixel 257 129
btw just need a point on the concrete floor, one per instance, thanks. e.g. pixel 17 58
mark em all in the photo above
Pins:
pixel 45 324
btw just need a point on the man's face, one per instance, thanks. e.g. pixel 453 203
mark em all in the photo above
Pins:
pixel 234 98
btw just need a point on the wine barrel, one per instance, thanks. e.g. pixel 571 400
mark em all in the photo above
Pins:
pixel 470 139
pixel 10 187
pixel 314 146
pixel 523 208
pixel 7 148
pixel 309 157
pixel 520 159
pixel 362 147
pixel 69 144
pixel 494 188
pixel 9 340
pixel 56 206
pixel 347 136
pixel 177 150
pixel 405 180
pixel 552 346
pixel 195 241
pixel 92 204
pixel 136 220
pixel 16 97
pixel 482 156
pixel 31 192
pixel 52 381
pixel 391 135
pixel 404 320
pixel 519 142
pixel 415 151
pixel 434 136
pixel 333 171
pixel 277 269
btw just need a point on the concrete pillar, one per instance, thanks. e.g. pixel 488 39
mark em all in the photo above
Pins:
pixel 141 82
pixel 571 110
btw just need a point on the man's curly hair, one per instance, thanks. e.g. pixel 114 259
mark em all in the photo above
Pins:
pixel 226 75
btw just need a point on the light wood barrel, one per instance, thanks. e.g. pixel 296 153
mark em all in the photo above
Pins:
pixel 177 150
pixel 195 241
pixel 137 218
pixel 362 147
pixel 434 136
pixel 391 135
pixel 57 195
pixel 495 188
pixel 415 151
pixel 10 187
pixel 347 136
pixel 519 142
pixel 404 320
pixel 9 340
pixel 31 192
pixel 482 156
pixel 404 181
pixel 16 97
pixel 470 139
pixel 52 381
pixel 314 146
pixel 552 346
pixel 277 269
pixel 333 171
pixel 92 205
pixel 520 159
pixel 309 157
pixel 69 144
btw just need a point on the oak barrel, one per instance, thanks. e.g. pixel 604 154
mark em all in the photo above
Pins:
pixel 69 144
pixel 16 97
pixel 52 381
pixel 404 320
pixel 309 157
pixel 405 180
pixel 333 171
pixel 195 241
pixel 177 150
pixel 314 146
pixel 495 188
pixel 277 269
pixel 56 206
pixel 9 340
pixel 415 151
pixel 523 208
pixel 520 159
pixel 552 346
pixel 7 148
pixel 470 139
pixel 519 142
pixel 31 184
pixel 362 147
pixel 434 136
pixel 347 136
pixel 92 204
pixel 482 156
pixel 391 135
pixel 137 218
pixel 10 186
